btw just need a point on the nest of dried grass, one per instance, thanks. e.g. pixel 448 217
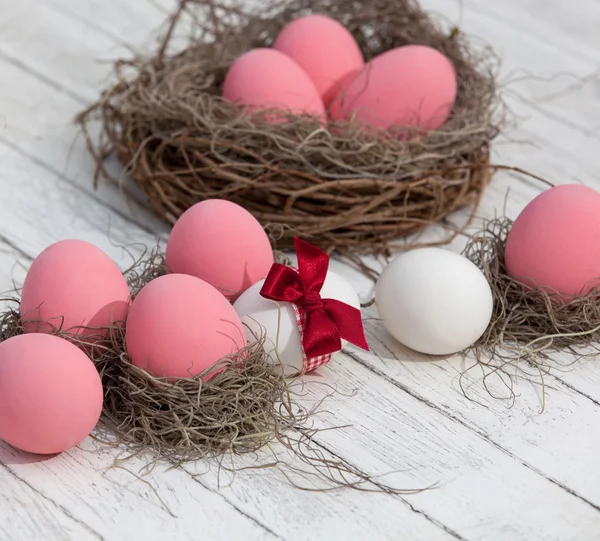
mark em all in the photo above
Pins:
pixel 345 189
pixel 530 330
pixel 245 407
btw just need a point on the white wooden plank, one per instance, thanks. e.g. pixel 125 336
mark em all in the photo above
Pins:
pixel 584 377
pixel 80 62
pixel 478 484
pixel 39 209
pixel 557 443
pixel 48 142
pixel 32 513
pixel 533 145
pixel 340 514
pixel 389 432
pixel 134 23
pixel 114 504
pixel 568 26
pixel 39 109
pixel 536 65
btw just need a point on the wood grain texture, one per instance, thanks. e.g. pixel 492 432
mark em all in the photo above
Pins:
pixel 441 450
pixel 503 473
pixel 32 513
pixel 551 71
pixel 60 81
pixel 113 504
pixel 44 208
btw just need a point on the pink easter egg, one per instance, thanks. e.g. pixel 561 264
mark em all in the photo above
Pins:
pixel 555 241
pixel 411 86
pixel 324 49
pixel 179 325
pixel 74 286
pixel 221 243
pixel 50 393
pixel 268 79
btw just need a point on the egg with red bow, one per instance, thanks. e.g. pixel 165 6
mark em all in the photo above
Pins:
pixel 302 324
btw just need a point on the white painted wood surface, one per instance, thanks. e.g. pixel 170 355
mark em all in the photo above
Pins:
pixel 504 473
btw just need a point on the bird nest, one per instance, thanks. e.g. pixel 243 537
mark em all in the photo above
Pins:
pixel 531 334
pixel 343 187
pixel 241 405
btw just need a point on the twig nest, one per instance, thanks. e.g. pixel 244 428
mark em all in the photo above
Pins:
pixel 544 270
pixel 529 325
pixel 235 405
pixel 178 375
pixel 344 186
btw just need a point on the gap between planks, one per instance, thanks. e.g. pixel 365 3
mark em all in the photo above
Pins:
pixel 477 431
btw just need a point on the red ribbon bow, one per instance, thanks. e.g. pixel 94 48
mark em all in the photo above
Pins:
pixel 327 320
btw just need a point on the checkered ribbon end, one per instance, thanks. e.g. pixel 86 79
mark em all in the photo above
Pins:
pixel 308 365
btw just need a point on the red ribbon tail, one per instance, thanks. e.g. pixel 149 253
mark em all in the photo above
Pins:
pixel 348 321
pixel 321 337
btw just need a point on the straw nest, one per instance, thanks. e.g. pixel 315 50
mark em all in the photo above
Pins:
pixel 345 189
pixel 531 330
pixel 246 406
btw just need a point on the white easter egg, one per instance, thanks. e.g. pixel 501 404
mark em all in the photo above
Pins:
pixel 434 301
pixel 276 321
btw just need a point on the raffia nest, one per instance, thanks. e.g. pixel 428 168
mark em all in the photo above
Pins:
pixel 345 189
pixel 530 330
pixel 247 405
